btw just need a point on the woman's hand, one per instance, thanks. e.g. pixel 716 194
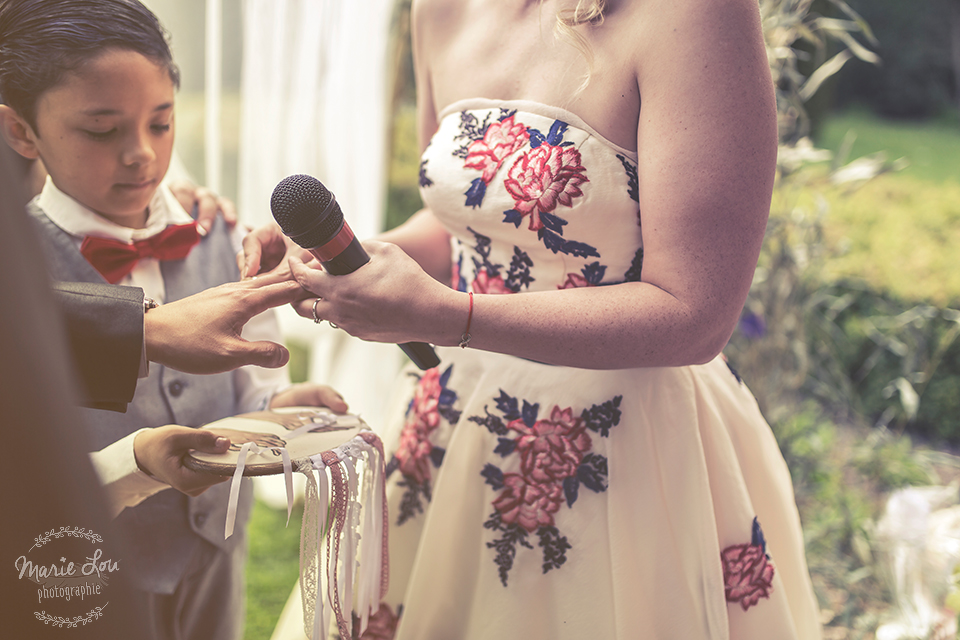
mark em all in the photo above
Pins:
pixel 267 248
pixel 208 204
pixel 160 451
pixel 389 299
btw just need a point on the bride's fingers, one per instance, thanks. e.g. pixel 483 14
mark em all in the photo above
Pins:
pixel 310 277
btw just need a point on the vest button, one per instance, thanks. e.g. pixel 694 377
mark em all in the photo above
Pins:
pixel 175 388
pixel 199 519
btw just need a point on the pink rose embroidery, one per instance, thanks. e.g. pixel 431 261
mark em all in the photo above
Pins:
pixel 747 574
pixel 484 283
pixel 544 177
pixel 499 141
pixel 551 450
pixel 527 504
pixel 556 463
pixel 455 276
pixel 573 281
pixel 413 453
pixel 382 625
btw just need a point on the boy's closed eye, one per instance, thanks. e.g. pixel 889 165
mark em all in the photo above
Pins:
pixel 99 135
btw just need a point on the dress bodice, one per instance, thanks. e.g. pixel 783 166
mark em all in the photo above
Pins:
pixel 533 197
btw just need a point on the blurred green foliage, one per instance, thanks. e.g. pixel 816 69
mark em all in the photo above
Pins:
pixel 273 567
pixel 916 78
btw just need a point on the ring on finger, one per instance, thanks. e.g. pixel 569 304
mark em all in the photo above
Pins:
pixel 332 325
pixel 316 319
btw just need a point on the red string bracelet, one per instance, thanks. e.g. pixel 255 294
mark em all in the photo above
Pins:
pixel 465 338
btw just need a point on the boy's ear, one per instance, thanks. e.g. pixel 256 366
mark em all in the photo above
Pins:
pixel 18 133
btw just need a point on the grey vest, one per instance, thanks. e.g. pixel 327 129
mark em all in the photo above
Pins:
pixel 164 531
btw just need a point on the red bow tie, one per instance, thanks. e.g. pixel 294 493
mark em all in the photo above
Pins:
pixel 115 259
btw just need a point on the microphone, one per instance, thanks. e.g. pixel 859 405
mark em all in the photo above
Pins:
pixel 309 215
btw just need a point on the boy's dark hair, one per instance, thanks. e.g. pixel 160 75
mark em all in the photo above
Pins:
pixel 43 40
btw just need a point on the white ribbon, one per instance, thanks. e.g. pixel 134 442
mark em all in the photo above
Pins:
pixel 317 419
pixel 338 579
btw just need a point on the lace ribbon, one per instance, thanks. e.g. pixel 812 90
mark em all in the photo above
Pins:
pixel 343 545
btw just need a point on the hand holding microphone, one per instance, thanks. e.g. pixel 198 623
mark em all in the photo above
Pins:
pixel 309 215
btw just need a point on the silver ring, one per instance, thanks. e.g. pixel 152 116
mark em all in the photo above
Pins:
pixel 332 325
pixel 316 319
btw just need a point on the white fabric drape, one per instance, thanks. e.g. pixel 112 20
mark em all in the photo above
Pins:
pixel 314 96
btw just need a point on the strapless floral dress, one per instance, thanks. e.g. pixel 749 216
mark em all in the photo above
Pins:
pixel 536 501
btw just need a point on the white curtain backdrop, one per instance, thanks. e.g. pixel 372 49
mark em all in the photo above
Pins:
pixel 315 98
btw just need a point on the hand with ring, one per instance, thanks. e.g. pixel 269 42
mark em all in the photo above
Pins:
pixel 317 319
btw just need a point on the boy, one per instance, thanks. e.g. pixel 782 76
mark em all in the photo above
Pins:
pixel 89 89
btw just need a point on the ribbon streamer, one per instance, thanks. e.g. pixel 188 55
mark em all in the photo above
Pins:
pixel 343 538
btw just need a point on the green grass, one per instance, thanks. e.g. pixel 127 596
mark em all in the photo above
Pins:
pixel 932 147
pixel 273 567
pixel 899 232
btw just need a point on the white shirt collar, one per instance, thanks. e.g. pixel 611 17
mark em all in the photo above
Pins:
pixel 80 221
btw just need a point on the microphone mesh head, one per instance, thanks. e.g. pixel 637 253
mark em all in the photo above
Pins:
pixel 301 205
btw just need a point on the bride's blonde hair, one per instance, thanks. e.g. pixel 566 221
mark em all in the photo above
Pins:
pixel 587 12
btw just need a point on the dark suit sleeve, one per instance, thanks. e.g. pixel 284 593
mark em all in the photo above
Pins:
pixel 105 332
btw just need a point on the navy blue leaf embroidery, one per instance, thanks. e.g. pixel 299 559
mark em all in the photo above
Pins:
pixel 552 222
pixel 505 113
pixel 392 466
pixel 478 188
pixel 633 273
pixel 519 274
pixel 530 412
pixel 494 476
pixel 436 455
pixel 513 216
pixel 600 417
pixel 506 546
pixel 557 244
pixel 735 374
pixel 554 547
pixel 571 488
pixel 555 137
pixel 424 180
pixel 461 284
pixel 757 537
pixel 551 240
pixel 593 273
pixel 493 423
pixel 445 378
pixel 633 184
pixel 508 406
pixel 412 501
pixel 470 129
pixel 592 472
pixel 536 138
pixel 506 446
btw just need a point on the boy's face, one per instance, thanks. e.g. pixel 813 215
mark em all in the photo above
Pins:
pixel 105 134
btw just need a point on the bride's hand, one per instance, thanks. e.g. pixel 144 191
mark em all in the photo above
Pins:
pixel 389 299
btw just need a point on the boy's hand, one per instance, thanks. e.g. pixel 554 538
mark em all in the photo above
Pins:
pixel 308 394
pixel 160 451
pixel 208 204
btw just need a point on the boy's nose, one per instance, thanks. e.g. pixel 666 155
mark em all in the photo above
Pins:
pixel 139 150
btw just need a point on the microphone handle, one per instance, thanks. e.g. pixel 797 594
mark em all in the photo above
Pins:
pixel 349 260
